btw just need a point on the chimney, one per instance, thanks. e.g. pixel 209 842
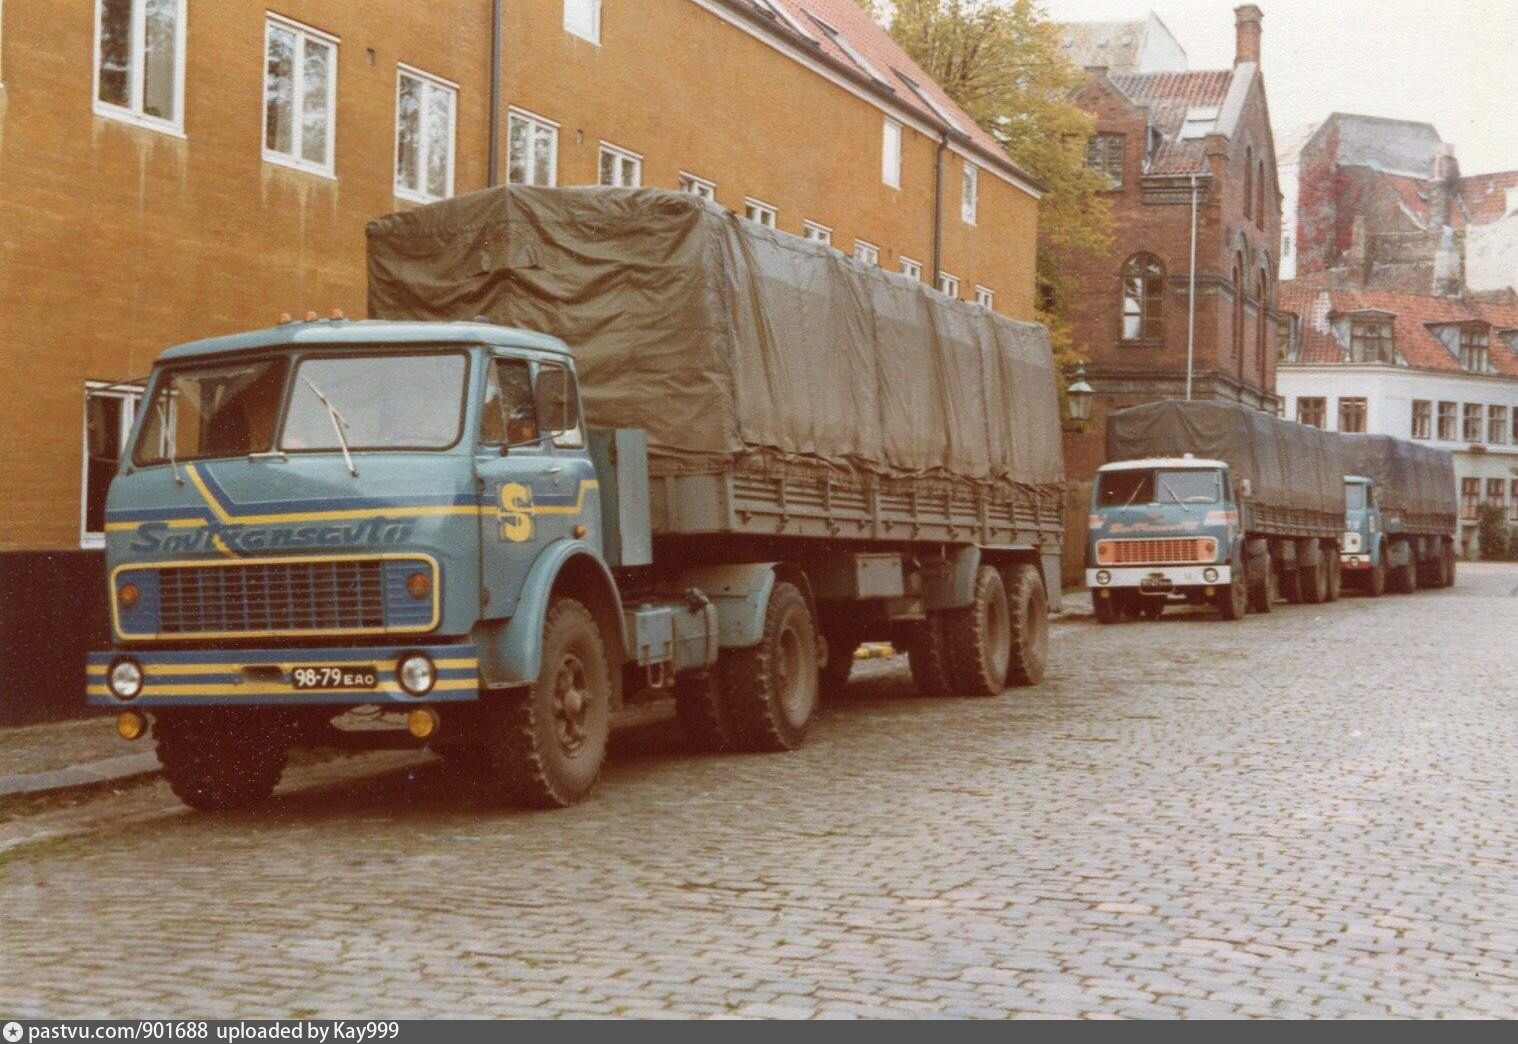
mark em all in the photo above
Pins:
pixel 1246 20
pixel 1443 187
pixel 1448 277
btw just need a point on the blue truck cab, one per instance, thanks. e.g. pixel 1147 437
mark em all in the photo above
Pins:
pixel 1162 529
pixel 1363 555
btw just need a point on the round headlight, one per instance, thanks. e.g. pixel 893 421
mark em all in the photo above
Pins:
pixel 129 595
pixel 419 585
pixel 1210 575
pixel 125 679
pixel 1103 577
pixel 416 673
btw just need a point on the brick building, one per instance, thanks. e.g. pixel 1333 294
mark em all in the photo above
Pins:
pixel 171 170
pixel 1190 156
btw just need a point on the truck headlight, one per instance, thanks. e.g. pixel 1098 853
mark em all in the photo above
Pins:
pixel 417 673
pixel 1210 575
pixel 1103 577
pixel 125 679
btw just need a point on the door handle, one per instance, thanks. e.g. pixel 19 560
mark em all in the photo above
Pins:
pixel 554 470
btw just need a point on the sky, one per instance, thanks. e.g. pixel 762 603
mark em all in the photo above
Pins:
pixel 1452 63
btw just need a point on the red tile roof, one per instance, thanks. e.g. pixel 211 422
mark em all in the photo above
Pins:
pixel 1485 195
pixel 887 58
pixel 1170 96
pixel 1412 315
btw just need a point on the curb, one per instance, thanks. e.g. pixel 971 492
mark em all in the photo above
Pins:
pixel 107 770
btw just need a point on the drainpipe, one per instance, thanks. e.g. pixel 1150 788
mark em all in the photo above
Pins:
pixel 1191 296
pixel 943 143
pixel 493 168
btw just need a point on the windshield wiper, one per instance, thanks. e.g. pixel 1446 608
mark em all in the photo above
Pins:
pixel 338 424
pixel 163 426
pixel 1185 505
pixel 1137 488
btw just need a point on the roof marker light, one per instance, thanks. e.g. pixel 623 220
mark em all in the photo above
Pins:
pixel 337 313
pixel 311 317
pixel 284 317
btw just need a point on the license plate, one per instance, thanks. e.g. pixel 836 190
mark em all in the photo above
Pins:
pixel 305 678
pixel 1155 583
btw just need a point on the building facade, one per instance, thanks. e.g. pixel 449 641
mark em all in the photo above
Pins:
pixel 1191 163
pixel 171 170
pixel 1438 370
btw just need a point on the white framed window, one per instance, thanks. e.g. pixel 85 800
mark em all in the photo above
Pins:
pixel 969 199
pixel 620 168
pixel 948 284
pixel 425 131
pixel 139 62
pixel 890 153
pixel 984 296
pixel 777 11
pixel 532 149
pixel 109 410
pixel 842 43
pixel 760 213
pixel 697 186
pixel 817 233
pixel 300 96
pixel 911 269
pixel 866 253
pixel 583 18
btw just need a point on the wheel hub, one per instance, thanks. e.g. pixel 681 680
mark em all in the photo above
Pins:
pixel 571 704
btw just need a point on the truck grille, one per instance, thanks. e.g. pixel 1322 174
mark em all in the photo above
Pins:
pixel 1156 550
pixel 282 597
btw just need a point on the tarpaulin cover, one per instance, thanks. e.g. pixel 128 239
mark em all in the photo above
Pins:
pixel 1288 465
pixel 1411 479
pixel 724 340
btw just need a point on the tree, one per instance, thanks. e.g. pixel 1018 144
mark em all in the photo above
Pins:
pixel 1002 63
pixel 1493 533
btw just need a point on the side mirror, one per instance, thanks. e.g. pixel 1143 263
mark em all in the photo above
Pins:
pixel 1246 489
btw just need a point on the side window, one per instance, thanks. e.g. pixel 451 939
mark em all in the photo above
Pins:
pixel 558 404
pixel 108 413
pixel 509 417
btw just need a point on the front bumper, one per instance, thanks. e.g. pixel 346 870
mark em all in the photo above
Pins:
pixel 1354 561
pixel 1155 577
pixel 252 677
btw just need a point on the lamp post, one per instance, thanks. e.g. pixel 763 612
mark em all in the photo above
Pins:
pixel 1078 396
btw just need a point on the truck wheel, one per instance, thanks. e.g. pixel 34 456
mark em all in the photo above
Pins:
pixel 1262 586
pixel 216 761
pixel 1314 581
pixel 1407 576
pixel 1375 579
pixel 834 675
pixel 1107 611
pixel 698 708
pixel 1289 582
pixel 1030 626
pixel 925 655
pixel 978 638
pixel 769 692
pixel 1449 565
pixel 1335 577
pixel 1233 600
pixel 546 745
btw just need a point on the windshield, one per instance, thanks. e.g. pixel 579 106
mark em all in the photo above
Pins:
pixel 212 411
pixel 382 402
pixel 233 409
pixel 1160 486
pixel 1354 496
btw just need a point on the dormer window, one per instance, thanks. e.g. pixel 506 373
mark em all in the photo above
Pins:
pixel 1199 122
pixel 1475 349
pixel 1104 154
pixel 1370 341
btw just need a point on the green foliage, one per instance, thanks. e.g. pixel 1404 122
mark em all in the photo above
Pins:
pixel 1497 540
pixel 1001 61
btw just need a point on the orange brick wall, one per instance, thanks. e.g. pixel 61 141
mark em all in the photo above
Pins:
pixel 117 241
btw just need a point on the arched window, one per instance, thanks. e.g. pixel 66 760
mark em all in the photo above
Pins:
pixel 1262 328
pixel 1238 314
pixel 1143 298
pixel 1248 182
pixel 1259 213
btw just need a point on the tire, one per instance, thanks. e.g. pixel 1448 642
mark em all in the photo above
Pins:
pixel 220 760
pixel 1106 609
pixel 769 692
pixel 1262 588
pixel 833 676
pixel 1289 583
pixel 545 746
pixel 978 638
pixel 1030 626
pixel 699 709
pixel 1233 600
pixel 926 657
pixel 1375 579
pixel 1335 576
pixel 1406 581
pixel 1450 565
pixel 1314 581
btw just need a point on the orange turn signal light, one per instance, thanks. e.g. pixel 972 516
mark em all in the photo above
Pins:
pixel 129 595
pixel 419 585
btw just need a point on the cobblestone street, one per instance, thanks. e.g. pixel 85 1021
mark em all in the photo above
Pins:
pixel 1308 813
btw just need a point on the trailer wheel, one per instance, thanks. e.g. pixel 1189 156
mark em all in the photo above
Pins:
pixel 1106 609
pixel 1289 581
pixel 769 692
pixel 1449 564
pixel 926 657
pixel 1335 577
pixel 834 675
pixel 219 760
pixel 1314 581
pixel 1030 626
pixel 1233 600
pixel 1375 579
pixel 698 708
pixel 978 638
pixel 545 746
pixel 1406 581
pixel 1264 588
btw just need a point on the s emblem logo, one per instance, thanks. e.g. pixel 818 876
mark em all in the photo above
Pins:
pixel 516 512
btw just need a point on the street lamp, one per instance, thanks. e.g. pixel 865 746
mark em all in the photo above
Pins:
pixel 1079 395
